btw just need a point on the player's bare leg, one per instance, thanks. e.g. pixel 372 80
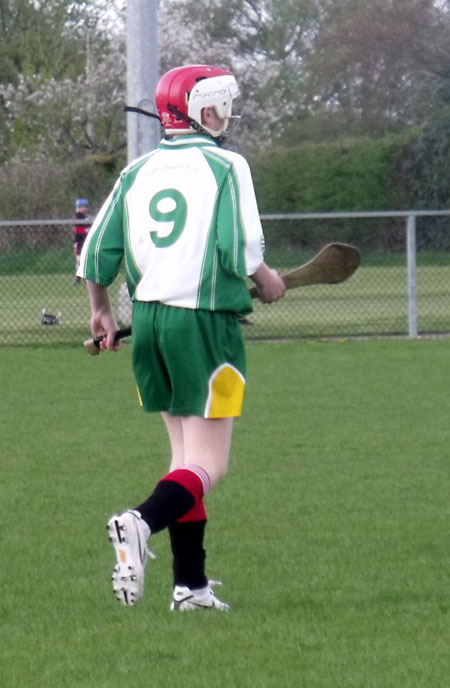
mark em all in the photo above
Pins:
pixel 207 443
pixel 174 428
pixel 200 441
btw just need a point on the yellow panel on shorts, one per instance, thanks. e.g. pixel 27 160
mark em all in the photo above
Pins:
pixel 226 392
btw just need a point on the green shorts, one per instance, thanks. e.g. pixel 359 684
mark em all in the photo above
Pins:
pixel 188 362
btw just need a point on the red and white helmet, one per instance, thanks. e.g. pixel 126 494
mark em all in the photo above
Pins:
pixel 183 92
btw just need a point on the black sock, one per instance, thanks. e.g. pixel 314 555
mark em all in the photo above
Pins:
pixel 168 502
pixel 189 556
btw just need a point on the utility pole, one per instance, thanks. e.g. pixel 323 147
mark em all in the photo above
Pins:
pixel 90 91
pixel 142 76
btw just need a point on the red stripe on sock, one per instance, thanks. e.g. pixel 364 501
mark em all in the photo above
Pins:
pixel 189 480
pixel 197 513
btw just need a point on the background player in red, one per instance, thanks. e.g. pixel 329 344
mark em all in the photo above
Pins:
pixel 185 220
pixel 80 232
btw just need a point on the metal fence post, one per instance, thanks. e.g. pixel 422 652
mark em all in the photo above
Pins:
pixel 142 75
pixel 412 280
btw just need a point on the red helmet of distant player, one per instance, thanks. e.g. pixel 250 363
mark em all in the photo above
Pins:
pixel 183 92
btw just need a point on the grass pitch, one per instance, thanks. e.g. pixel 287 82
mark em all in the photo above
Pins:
pixel 330 532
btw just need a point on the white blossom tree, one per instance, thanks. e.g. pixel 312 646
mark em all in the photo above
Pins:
pixel 66 94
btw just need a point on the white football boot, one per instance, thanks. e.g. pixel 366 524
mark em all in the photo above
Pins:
pixel 127 537
pixel 185 599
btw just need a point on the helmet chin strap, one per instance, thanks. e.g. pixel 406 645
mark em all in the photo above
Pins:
pixel 140 111
pixel 175 111
pixel 195 125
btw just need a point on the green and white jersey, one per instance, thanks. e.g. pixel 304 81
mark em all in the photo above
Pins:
pixel 185 219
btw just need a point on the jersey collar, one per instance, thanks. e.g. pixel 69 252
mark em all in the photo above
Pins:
pixel 187 141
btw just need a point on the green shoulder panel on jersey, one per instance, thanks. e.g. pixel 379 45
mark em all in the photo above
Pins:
pixel 232 241
pixel 108 239
pixel 221 286
pixel 207 283
pixel 104 244
pixel 220 290
pixel 134 274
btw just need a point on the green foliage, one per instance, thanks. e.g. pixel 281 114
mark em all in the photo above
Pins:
pixel 61 80
pixel 432 164
pixel 351 174
pixel 41 38
pixel 347 175
pixel 47 189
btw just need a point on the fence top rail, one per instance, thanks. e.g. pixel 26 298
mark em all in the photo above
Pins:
pixel 43 223
pixel 355 214
pixel 264 216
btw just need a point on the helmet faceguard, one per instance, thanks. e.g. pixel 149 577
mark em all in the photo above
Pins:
pixel 182 94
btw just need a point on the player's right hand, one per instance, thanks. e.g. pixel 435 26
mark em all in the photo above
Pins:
pixel 269 284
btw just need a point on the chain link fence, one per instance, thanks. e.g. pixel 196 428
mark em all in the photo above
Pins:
pixel 401 288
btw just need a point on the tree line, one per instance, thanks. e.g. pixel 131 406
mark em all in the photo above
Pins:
pixel 312 73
